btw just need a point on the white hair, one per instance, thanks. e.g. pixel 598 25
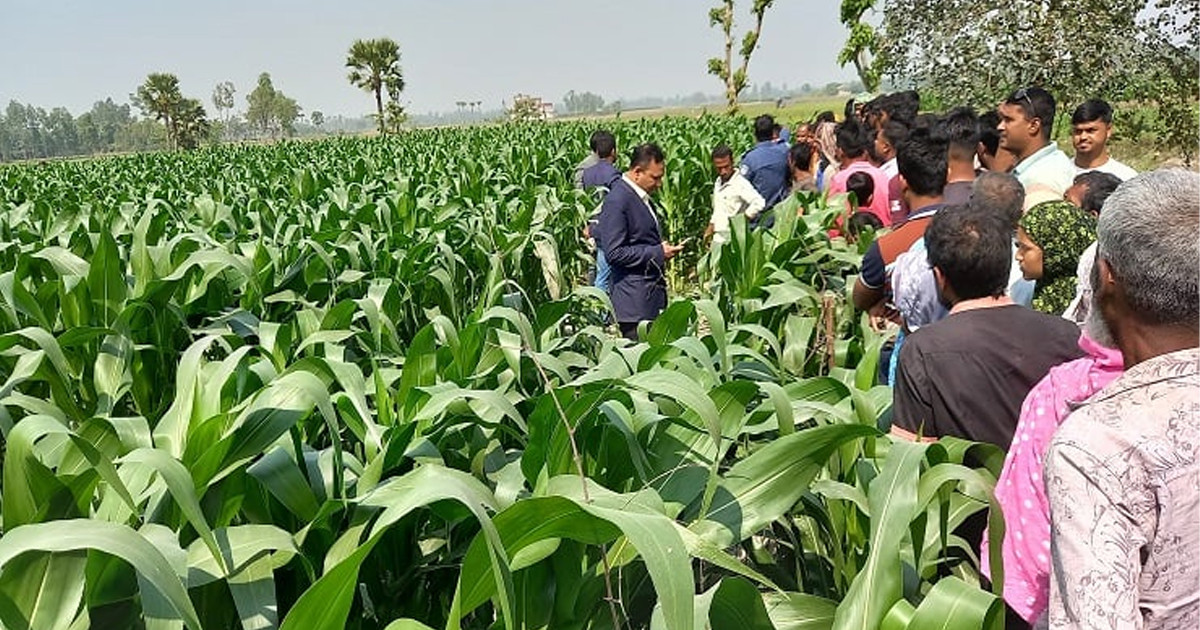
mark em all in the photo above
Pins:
pixel 1149 233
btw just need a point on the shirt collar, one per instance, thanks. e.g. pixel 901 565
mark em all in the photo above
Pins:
pixel 928 211
pixel 1028 162
pixel 1165 367
pixel 720 185
pixel 643 195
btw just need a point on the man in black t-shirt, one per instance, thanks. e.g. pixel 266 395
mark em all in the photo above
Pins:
pixel 967 375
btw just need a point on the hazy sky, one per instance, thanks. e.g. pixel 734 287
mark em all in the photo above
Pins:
pixel 73 52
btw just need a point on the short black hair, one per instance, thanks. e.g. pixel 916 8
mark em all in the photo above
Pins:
pixel 646 154
pixel 862 220
pixel 903 106
pixel 1092 110
pixel 894 132
pixel 1036 103
pixel 1098 186
pixel 801 155
pixel 764 128
pixel 921 159
pixel 972 248
pixel 853 138
pixel 596 136
pixel 989 135
pixel 722 151
pixel 961 130
pixel 824 117
pixel 862 185
pixel 604 144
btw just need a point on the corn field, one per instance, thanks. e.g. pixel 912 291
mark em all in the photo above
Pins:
pixel 361 383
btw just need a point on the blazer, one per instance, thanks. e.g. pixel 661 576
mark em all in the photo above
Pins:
pixel 632 243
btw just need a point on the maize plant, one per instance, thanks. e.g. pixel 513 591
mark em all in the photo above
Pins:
pixel 361 383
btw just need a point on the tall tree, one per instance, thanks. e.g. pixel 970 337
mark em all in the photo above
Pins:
pixel 285 111
pixel 317 117
pixel 261 104
pixel 222 98
pixel 862 43
pixel 582 103
pixel 735 80
pixel 159 98
pixel 375 67
pixel 270 110
pixel 99 126
pixel 192 124
pixel 964 51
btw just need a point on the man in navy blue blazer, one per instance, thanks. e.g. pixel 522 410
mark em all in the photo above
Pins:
pixel 632 242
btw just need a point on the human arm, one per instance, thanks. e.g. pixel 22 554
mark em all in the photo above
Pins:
pixel 1095 543
pixel 868 287
pixel 754 202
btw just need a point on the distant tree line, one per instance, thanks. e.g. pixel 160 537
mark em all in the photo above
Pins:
pixel 168 120
pixel 29 132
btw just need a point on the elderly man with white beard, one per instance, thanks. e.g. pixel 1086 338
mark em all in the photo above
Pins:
pixel 1123 471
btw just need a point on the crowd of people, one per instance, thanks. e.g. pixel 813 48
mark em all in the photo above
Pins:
pixel 1045 303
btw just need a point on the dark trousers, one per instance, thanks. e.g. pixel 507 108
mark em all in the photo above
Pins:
pixel 629 330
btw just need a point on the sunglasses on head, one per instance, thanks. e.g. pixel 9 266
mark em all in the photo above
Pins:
pixel 1023 95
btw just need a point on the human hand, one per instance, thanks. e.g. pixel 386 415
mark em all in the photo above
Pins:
pixel 670 250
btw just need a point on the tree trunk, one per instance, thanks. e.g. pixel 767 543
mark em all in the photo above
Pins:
pixel 379 105
pixel 730 94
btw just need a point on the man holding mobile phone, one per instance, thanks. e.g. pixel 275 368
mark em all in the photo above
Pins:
pixel 633 242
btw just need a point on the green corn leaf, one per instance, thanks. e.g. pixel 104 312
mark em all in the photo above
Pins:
pixel 42 590
pixel 111 538
pixel 892 497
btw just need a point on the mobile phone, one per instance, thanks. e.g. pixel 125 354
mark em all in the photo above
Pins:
pixel 684 241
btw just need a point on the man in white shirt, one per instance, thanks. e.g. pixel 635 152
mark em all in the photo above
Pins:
pixel 733 194
pixel 1026 118
pixel 1091 125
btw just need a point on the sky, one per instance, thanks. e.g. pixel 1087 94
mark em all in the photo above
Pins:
pixel 73 52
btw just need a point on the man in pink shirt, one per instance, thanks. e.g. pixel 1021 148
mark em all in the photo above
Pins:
pixel 1020 490
pixel 853 140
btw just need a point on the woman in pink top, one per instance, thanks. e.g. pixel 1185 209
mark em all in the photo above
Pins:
pixel 1020 490
pixel 853 141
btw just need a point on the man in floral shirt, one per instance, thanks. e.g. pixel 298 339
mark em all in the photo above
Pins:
pixel 1123 472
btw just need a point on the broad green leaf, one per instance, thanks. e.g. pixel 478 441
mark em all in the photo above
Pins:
pixel 524 524
pixel 765 485
pixel 111 538
pixel 183 490
pixel 45 590
pixel 326 604
pixel 951 604
pixel 284 479
pixel 24 474
pixel 106 276
pixel 799 611
pixel 650 532
pixel 893 498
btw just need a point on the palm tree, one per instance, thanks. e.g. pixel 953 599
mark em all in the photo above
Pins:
pixel 375 65
pixel 159 97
